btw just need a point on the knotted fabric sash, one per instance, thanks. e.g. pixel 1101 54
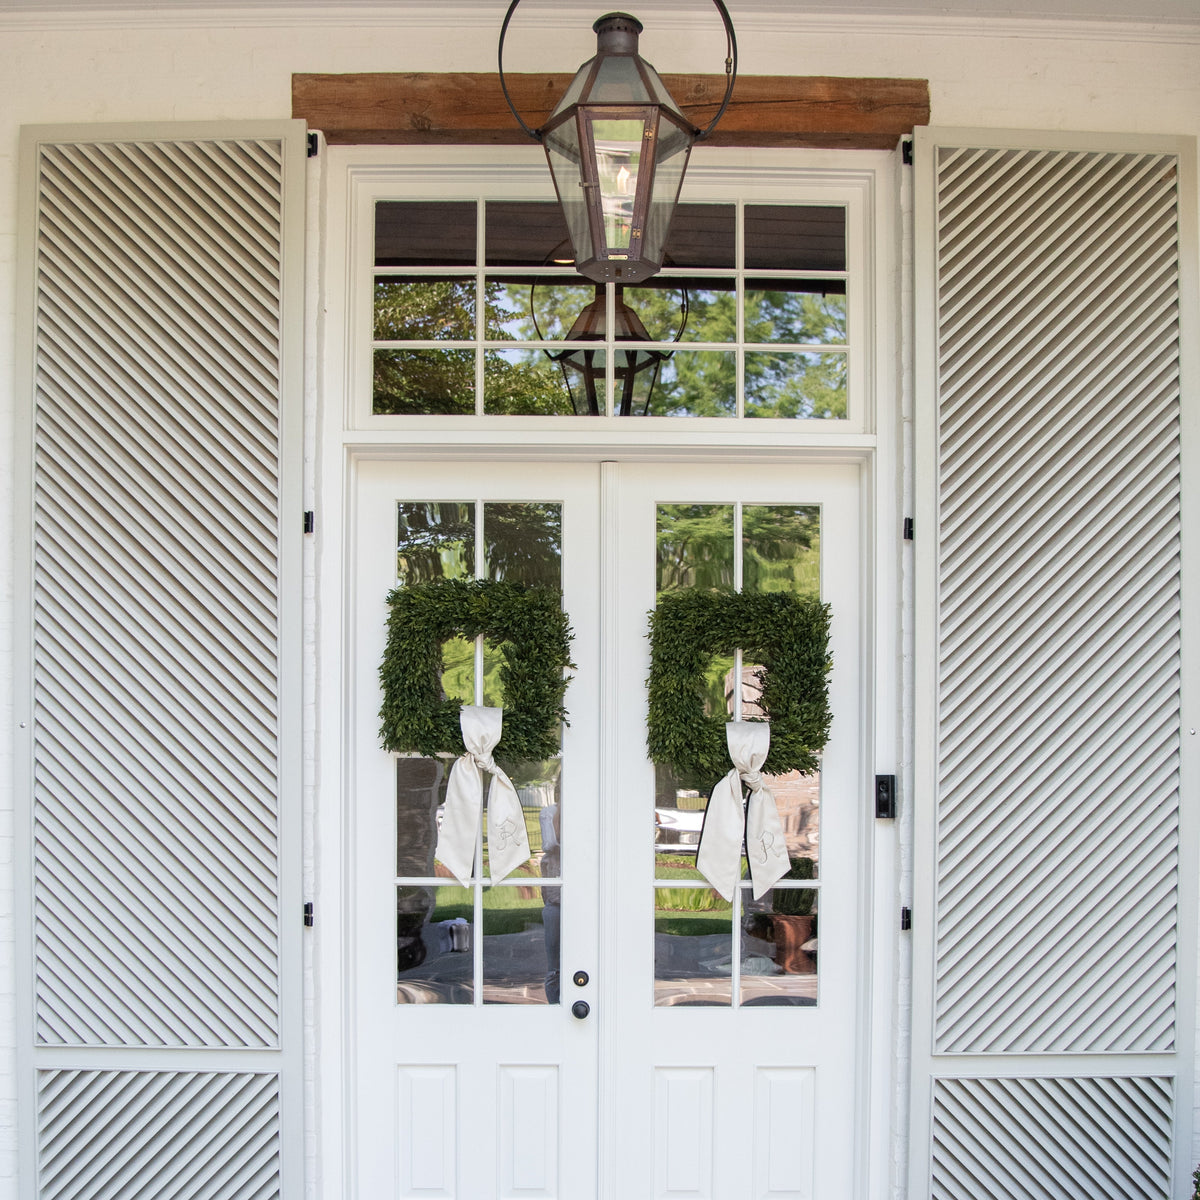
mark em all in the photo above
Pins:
pixel 719 857
pixel 508 843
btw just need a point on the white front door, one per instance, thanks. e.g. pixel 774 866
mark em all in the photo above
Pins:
pixel 717 1056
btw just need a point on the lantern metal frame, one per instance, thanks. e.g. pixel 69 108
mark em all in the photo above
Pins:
pixel 656 112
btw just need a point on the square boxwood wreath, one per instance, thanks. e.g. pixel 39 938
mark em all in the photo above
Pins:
pixel 529 625
pixel 786 633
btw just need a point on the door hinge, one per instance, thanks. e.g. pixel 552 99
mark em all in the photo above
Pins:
pixel 908 529
pixel 308 914
pixel 313 145
pixel 906 918
pixel 310 521
pixel 885 797
pixel 906 151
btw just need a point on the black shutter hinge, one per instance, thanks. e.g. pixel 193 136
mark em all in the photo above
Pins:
pixel 908 529
pixel 885 797
pixel 906 151
pixel 310 521
pixel 906 918
pixel 308 914
pixel 313 145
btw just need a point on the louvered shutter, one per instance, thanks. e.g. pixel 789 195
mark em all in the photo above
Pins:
pixel 163 672
pixel 1048 772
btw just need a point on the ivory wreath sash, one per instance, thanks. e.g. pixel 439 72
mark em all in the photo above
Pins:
pixel 729 816
pixel 508 842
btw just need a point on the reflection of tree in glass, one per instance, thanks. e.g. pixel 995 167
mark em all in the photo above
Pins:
pixel 409 382
pixel 409 310
pixel 695 546
pixel 523 543
pixel 778 383
pixel 790 385
pixel 781 548
pixel 434 541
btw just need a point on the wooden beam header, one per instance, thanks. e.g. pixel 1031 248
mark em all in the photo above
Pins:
pixel 460 108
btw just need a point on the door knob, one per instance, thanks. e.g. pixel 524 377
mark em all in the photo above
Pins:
pixel 580 1009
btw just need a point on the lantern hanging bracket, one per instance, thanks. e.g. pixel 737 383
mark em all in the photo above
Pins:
pixel 730 71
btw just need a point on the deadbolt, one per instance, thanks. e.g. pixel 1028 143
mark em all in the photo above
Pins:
pixel 580 978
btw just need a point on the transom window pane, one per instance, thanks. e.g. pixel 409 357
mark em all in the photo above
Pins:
pixel 478 311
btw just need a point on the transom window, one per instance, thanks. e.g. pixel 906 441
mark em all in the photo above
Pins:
pixel 478 311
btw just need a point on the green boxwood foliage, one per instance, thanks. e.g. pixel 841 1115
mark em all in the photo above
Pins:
pixel 787 634
pixel 534 634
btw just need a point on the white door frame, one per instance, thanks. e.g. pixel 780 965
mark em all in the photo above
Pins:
pixel 339 446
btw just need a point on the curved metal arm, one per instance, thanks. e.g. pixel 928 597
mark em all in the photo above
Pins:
pixel 533 133
pixel 730 71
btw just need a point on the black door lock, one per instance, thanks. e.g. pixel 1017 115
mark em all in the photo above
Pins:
pixel 580 1009
pixel 580 978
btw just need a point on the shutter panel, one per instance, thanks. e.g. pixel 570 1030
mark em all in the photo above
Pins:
pixel 1051 618
pixel 164 650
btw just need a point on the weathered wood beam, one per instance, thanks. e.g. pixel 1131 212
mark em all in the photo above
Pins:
pixel 459 108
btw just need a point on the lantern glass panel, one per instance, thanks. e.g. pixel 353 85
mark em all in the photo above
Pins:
pixel 563 154
pixel 618 145
pixel 670 162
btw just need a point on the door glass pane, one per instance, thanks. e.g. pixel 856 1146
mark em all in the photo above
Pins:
pixel 781 548
pixel 694 546
pixel 434 540
pixel 420 789
pixel 779 947
pixel 693 946
pixel 433 945
pixel 522 543
pixel 520 944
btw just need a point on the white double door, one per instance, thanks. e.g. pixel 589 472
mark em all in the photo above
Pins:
pixel 714 1059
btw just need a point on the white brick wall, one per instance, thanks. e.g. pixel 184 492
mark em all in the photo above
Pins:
pixel 1000 75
